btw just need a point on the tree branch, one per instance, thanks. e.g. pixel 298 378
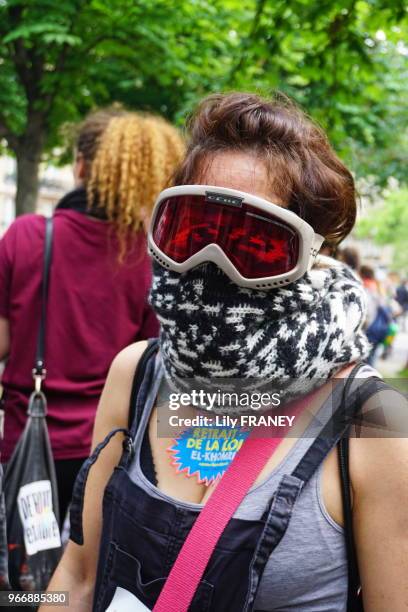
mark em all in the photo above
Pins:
pixel 59 67
pixel 62 57
pixel 335 31
pixel 19 56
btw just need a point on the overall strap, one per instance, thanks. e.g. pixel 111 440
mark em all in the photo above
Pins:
pixel 346 402
pixel 142 378
pixel 278 512
pixel 39 371
pixel 349 399
pixel 77 502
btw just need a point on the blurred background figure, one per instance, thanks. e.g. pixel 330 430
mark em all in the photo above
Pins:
pixel 99 280
pixel 351 257
pixel 401 296
pixel 381 328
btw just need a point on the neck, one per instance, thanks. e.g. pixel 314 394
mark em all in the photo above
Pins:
pixel 77 200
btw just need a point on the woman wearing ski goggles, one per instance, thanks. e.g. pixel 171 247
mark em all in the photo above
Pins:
pixel 240 298
pixel 258 244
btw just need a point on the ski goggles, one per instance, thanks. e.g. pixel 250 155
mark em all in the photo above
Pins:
pixel 258 244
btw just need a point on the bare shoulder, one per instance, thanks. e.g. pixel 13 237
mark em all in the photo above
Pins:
pixel 125 362
pixel 113 408
pixel 379 457
pixel 373 459
pixel 378 470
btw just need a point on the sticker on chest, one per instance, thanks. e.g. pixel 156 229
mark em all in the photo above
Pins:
pixel 206 452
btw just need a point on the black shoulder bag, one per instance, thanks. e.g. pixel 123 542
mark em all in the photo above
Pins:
pixel 30 484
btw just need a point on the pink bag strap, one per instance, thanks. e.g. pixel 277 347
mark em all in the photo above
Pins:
pixel 189 567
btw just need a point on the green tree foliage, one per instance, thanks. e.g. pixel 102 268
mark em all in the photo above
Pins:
pixel 343 60
pixel 60 59
pixel 388 224
pixel 346 63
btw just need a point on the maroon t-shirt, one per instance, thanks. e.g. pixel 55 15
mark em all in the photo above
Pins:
pixel 96 307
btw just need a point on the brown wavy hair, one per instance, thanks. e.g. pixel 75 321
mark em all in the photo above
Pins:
pixel 303 169
pixel 130 157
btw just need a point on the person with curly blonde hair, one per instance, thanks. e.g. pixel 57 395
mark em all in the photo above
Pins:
pixel 99 280
pixel 134 160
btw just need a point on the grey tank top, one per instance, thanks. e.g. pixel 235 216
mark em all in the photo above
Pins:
pixel 307 572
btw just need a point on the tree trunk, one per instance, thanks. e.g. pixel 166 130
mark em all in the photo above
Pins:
pixel 27 183
pixel 28 155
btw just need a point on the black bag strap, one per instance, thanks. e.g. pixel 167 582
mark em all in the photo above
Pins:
pixel 39 371
pixel 354 598
pixel 353 574
pixel 354 604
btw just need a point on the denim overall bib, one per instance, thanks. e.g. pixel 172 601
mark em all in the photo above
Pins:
pixel 142 535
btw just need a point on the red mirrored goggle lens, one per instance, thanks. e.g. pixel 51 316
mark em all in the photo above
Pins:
pixel 257 243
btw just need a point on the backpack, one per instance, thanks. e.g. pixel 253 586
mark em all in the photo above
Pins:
pixel 378 330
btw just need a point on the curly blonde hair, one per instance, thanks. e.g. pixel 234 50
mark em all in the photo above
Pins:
pixel 134 160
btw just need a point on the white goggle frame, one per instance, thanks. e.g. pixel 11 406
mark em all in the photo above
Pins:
pixel 309 241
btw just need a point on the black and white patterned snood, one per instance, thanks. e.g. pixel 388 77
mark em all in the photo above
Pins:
pixel 302 333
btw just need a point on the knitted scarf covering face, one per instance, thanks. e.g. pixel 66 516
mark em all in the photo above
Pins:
pixel 300 335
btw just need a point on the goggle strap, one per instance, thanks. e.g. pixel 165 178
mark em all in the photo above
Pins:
pixel 314 251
